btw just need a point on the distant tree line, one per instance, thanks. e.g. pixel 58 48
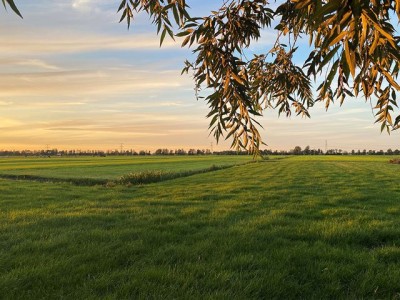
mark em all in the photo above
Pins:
pixel 130 152
pixel 308 151
pixel 170 152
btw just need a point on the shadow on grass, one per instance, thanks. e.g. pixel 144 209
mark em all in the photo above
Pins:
pixel 75 181
pixel 224 248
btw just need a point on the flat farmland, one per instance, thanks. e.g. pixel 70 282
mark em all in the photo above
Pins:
pixel 299 227
pixel 110 167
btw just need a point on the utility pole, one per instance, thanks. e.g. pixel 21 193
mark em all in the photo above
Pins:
pixel 326 146
pixel 121 147
pixel 212 150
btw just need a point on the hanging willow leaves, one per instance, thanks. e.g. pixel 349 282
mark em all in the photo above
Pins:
pixel 352 41
pixel 354 50
pixel 12 5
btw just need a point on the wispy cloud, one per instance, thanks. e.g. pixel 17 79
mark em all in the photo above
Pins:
pixel 150 133
pixel 38 64
pixel 83 83
pixel 9 122
pixel 93 5
pixel 78 4
pixel 56 43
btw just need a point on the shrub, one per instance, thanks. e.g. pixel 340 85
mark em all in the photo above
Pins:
pixel 395 161
pixel 146 177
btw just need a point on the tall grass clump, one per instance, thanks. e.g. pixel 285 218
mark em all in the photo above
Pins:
pixel 152 176
pixel 144 177
pixel 395 161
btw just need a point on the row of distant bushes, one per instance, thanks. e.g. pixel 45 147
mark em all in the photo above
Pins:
pixel 192 152
pixel 97 153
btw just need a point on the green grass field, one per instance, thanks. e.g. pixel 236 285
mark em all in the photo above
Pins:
pixel 300 227
pixel 110 167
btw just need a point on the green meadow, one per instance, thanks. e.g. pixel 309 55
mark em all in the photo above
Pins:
pixel 108 168
pixel 299 227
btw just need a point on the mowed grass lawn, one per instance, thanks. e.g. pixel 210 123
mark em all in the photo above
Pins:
pixel 301 227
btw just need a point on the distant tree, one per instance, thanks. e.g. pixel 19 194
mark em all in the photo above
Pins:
pixel 180 152
pixel 354 50
pixel 200 152
pixel 331 151
pixel 297 150
pixel 307 150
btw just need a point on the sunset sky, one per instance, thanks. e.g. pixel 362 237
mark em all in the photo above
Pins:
pixel 72 77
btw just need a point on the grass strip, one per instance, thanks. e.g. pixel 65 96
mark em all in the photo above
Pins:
pixel 134 178
pixel 153 176
pixel 75 181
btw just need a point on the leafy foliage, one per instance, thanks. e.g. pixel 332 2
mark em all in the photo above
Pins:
pixel 159 11
pixel 12 5
pixel 354 51
pixel 358 39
